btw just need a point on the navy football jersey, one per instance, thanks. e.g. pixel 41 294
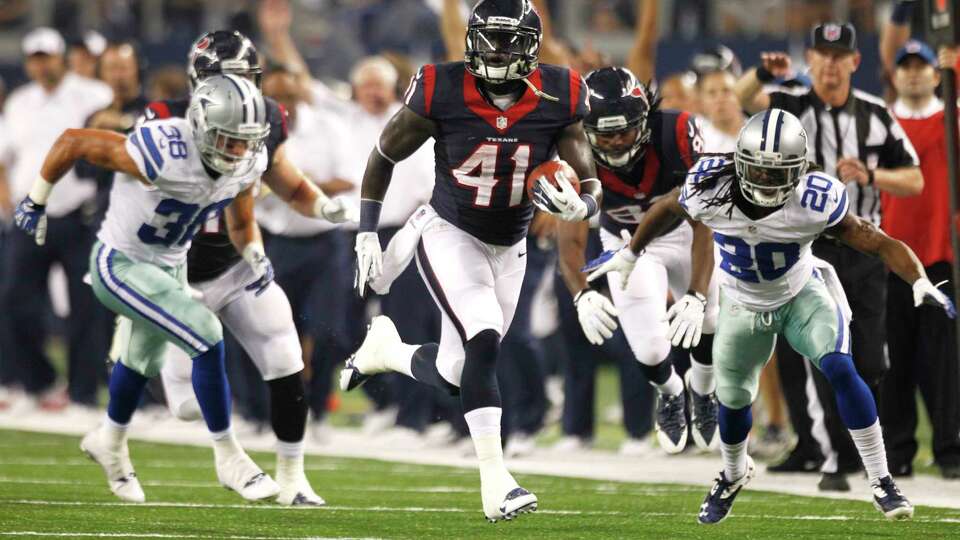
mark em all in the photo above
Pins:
pixel 484 154
pixel 675 141
pixel 212 253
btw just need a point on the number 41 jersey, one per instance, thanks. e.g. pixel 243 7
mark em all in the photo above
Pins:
pixel 155 223
pixel 483 154
pixel 764 263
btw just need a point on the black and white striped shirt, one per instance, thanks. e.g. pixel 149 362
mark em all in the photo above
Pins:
pixel 866 130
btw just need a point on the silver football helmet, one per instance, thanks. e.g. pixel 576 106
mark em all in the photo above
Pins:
pixel 228 119
pixel 771 157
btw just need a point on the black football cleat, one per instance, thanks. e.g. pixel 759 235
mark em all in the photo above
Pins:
pixel 718 502
pixel 888 499
pixel 672 423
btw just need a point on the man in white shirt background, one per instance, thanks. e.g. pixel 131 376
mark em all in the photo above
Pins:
pixel 34 116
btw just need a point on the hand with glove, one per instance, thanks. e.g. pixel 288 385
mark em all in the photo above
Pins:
pixel 369 260
pixel 596 314
pixel 261 266
pixel 621 260
pixel 562 201
pixel 31 218
pixel 927 293
pixel 336 210
pixel 686 320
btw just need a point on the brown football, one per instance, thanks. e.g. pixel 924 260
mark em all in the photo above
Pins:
pixel 548 170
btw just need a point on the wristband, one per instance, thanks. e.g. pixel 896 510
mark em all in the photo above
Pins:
pixel 871 178
pixel 697 295
pixel 40 191
pixel 319 203
pixel 764 75
pixel 902 11
pixel 369 215
pixel 592 206
pixel 253 253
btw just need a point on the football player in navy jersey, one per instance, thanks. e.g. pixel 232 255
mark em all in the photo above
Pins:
pixel 495 117
pixel 642 153
pixel 213 269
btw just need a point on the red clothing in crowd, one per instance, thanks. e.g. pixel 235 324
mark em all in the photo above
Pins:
pixel 923 221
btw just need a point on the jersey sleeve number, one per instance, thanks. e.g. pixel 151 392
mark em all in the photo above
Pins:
pixel 177 148
pixel 815 196
pixel 479 172
pixel 183 222
pixel 766 260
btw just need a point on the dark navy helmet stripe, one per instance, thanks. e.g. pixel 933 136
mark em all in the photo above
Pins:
pixel 763 131
pixel 776 133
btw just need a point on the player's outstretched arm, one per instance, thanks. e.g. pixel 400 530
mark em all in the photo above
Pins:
pixel 101 148
pixel 245 236
pixel 293 187
pixel 749 87
pixel 868 238
pixel 402 136
pixel 642 59
pixel 665 213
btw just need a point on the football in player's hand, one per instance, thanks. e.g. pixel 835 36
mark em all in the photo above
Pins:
pixel 549 170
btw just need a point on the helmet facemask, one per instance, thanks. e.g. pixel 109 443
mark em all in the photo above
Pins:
pixel 768 179
pixel 501 52
pixel 632 138
pixel 232 153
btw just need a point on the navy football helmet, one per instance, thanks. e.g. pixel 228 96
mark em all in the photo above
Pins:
pixel 616 126
pixel 223 52
pixel 503 40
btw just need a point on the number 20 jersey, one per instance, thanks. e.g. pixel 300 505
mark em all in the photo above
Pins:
pixel 764 263
pixel 156 223
pixel 484 154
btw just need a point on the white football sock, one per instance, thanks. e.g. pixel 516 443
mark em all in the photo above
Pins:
pixel 400 359
pixel 113 434
pixel 289 461
pixel 869 441
pixel 734 459
pixel 484 424
pixel 701 378
pixel 225 444
pixel 673 386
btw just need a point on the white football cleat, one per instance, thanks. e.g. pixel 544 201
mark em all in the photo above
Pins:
pixel 299 493
pixel 369 359
pixel 239 473
pixel 116 465
pixel 503 498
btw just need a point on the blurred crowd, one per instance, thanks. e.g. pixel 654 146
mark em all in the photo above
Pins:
pixel 548 370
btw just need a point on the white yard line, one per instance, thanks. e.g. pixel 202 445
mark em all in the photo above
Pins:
pixel 696 471
pixel 158 535
pixel 420 509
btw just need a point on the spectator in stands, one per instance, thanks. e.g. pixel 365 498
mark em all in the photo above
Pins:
pixel 922 342
pixel 35 115
pixel 83 54
pixel 853 136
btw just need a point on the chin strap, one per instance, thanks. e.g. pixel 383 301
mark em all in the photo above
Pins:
pixel 539 92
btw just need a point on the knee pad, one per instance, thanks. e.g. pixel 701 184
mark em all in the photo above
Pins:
pixel 733 397
pixel 649 350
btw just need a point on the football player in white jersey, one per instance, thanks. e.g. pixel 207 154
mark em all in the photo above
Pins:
pixel 766 208
pixel 175 175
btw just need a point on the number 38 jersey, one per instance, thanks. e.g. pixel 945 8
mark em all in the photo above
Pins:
pixel 764 263
pixel 483 154
pixel 156 223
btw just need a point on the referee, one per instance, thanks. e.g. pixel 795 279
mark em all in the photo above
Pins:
pixel 853 136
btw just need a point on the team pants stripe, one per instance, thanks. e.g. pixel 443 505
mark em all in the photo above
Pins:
pixel 143 306
pixel 437 289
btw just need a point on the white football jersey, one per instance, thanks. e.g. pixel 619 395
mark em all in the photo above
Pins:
pixel 764 263
pixel 156 223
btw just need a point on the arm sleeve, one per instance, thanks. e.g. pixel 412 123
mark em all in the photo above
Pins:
pixel 787 102
pixel 897 149
pixel 419 95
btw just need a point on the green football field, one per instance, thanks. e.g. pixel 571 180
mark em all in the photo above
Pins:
pixel 49 489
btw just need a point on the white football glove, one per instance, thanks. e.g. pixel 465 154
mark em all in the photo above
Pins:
pixel 564 203
pixel 338 210
pixel 596 314
pixel 925 292
pixel 369 260
pixel 686 320
pixel 622 260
